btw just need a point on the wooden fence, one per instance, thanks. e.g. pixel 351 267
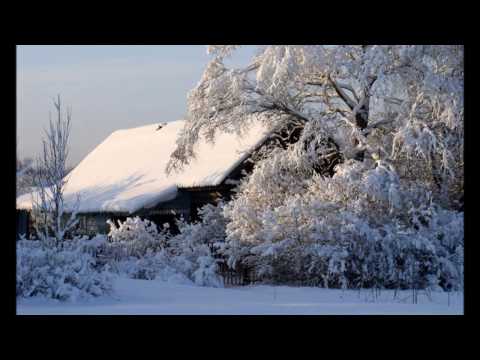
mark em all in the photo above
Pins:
pixel 233 277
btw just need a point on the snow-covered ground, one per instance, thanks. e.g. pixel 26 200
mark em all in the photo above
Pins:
pixel 156 297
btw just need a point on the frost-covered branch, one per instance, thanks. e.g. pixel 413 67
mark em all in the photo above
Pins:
pixel 48 199
pixel 371 184
pixel 358 95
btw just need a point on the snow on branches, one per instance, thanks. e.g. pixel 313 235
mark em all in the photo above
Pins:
pixel 137 248
pixel 378 162
pixel 353 90
pixel 49 181
pixel 67 273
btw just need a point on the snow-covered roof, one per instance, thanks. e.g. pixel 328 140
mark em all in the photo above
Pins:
pixel 126 172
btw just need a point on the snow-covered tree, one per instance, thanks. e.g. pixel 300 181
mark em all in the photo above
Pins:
pixel 380 157
pixel 50 178
pixel 375 102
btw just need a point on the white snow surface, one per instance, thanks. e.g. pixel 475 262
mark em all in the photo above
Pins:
pixel 154 297
pixel 127 170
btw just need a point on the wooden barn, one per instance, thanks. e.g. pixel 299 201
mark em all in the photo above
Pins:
pixel 125 176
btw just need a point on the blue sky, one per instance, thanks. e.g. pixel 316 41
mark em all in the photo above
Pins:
pixel 109 87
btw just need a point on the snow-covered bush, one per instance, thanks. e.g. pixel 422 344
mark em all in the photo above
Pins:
pixel 152 266
pixel 135 237
pixel 363 227
pixel 137 249
pixel 192 249
pixel 67 272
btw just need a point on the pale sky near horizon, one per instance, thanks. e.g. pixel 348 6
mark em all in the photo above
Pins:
pixel 108 87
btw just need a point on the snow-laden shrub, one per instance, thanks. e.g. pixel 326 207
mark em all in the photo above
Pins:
pixel 136 248
pixel 152 266
pixel 132 247
pixel 67 272
pixel 192 249
pixel 363 227
pixel 135 237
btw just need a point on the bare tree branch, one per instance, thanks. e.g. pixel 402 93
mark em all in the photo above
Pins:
pixel 48 201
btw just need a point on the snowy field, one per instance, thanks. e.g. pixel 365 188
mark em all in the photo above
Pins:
pixel 146 297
